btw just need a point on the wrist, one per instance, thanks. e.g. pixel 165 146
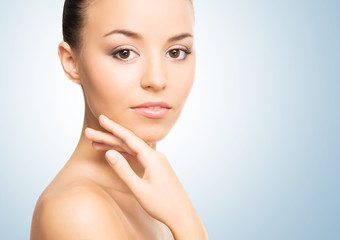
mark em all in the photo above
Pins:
pixel 188 227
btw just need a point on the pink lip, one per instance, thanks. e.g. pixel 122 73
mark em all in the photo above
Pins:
pixel 152 109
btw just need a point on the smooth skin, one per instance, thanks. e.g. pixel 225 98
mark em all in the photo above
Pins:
pixel 116 185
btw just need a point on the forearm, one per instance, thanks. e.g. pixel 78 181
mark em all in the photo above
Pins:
pixel 188 227
pixel 194 233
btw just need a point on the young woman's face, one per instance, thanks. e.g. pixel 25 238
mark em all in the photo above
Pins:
pixel 134 64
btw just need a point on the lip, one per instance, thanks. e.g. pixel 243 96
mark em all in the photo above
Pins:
pixel 152 109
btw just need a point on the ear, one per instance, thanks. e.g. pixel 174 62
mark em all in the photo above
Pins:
pixel 69 62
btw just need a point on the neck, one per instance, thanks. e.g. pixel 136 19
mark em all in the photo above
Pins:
pixel 96 165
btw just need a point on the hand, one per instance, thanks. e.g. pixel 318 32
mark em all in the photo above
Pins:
pixel 158 191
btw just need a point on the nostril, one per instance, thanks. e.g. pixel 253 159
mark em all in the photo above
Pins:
pixel 153 85
pixel 154 77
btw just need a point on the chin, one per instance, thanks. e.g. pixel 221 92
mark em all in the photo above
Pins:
pixel 152 138
pixel 151 134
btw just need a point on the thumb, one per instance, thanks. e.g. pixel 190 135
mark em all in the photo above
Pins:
pixel 123 169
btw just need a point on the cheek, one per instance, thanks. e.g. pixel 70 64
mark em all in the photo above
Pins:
pixel 107 86
pixel 181 79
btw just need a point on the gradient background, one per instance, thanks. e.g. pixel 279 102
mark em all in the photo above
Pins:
pixel 257 146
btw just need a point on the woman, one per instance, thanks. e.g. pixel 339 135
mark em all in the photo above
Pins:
pixel 135 62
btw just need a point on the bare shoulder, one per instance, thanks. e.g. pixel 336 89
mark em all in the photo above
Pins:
pixel 81 211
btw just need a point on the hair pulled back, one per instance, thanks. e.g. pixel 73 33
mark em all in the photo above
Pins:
pixel 73 21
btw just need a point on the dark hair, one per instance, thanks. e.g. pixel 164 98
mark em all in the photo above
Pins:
pixel 73 21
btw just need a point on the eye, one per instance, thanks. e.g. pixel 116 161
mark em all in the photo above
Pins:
pixel 178 54
pixel 124 54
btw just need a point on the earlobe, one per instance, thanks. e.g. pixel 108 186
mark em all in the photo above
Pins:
pixel 68 62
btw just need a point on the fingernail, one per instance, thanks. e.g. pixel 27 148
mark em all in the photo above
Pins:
pixel 112 156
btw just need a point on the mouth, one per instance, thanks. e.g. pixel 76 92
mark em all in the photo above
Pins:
pixel 152 109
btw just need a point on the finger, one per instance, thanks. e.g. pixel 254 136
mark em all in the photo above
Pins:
pixel 137 145
pixel 105 138
pixel 102 137
pixel 104 147
pixel 124 171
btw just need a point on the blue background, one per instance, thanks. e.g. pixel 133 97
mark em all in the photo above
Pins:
pixel 257 146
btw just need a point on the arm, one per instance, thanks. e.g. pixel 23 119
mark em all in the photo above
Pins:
pixel 159 191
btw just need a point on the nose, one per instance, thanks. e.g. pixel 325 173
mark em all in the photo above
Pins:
pixel 154 77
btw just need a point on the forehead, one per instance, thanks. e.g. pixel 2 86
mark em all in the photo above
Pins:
pixel 147 17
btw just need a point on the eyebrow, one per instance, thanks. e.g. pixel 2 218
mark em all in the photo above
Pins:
pixel 135 35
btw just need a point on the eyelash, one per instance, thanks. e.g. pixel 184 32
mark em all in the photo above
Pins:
pixel 114 54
